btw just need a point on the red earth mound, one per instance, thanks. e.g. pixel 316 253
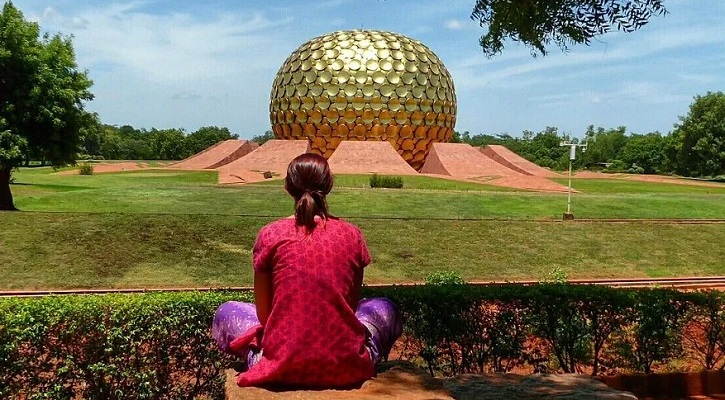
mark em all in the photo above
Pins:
pixel 367 157
pixel 217 155
pixel 464 162
pixel 274 156
pixel 508 158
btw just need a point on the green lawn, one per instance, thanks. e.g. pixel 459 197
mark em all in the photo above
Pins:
pixel 626 186
pixel 60 250
pixel 178 192
pixel 175 228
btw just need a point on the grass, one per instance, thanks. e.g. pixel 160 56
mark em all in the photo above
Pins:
pixel 179 192
pixel 414 182
pixel 60 250
pixel 177 228
pixel 626 186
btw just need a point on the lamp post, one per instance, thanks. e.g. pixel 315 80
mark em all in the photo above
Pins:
pixel 572 156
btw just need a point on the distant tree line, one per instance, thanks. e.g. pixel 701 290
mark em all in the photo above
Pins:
pixel 128 143
pixel 696 147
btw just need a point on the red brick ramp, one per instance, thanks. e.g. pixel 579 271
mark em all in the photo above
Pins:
pixel 274 156
pixel 461 161
pixel 367 157
pixel 217 155
pixel 508 158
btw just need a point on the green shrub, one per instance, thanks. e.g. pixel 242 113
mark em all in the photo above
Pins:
pixel 152 346
pixel 85 169
pixel 157 346
pixel 390 182
pixel 453 328
pixel 444 278
pixel 655 332
pixel 556 275
pixel 616 166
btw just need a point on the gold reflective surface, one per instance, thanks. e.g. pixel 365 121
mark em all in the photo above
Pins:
pixel 364 85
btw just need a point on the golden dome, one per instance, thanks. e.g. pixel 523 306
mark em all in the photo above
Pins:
pixel 364 85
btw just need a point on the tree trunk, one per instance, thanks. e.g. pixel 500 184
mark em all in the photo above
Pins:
pixel 6 197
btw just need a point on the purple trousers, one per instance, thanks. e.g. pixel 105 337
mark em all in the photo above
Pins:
pixel 379 315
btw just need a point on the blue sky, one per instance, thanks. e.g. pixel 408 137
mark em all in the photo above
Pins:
pixel 187 64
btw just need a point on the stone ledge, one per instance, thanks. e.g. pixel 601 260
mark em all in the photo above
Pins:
pixel 401 380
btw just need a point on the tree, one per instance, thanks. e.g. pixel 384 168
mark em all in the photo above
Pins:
pixel 543 149
pixel 205 137
pixel 537 23
pixel 603 145
pixel 167 144
pixel 699 139
pixel 92 134
pixel 41 96
pixel 263 138
pixel 645 151
pixel 12 149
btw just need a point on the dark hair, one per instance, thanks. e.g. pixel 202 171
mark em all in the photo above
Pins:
pixel 309 181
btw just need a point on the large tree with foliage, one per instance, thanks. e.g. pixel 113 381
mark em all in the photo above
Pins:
pixel 538 23
pixel 699 138
pixel 41 96
pixel 644 151
pixel 603 145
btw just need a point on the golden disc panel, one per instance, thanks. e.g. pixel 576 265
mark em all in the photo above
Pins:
pixel 364 85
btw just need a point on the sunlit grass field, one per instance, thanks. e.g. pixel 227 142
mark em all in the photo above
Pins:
pixel 161 228
pixel 181 192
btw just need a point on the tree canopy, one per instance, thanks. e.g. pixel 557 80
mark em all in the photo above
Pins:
pixel 263 138
pixel 699 138
pixel 128 143
pixel 41 96
pixel 538 23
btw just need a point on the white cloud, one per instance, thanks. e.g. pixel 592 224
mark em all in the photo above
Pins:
pixel 454 24
pixel 77 23
pixel 174 48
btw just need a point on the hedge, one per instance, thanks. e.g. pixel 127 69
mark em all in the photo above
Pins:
pixel 157 345
pixel 151 346
pixel 390 182
pixel 458 328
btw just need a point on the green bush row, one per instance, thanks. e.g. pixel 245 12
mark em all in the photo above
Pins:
pixel 455 328
pixel 390 182
pixel 157 345
pixel 151 346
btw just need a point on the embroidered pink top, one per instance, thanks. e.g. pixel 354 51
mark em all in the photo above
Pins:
pixel 312 337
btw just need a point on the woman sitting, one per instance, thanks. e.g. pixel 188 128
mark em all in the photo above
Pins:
pixel 309 327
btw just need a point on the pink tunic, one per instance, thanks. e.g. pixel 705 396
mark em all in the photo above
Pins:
pixel 312 337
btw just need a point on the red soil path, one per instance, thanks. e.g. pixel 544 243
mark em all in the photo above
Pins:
pixel 217 155
pixel 367 157
pixel 274 156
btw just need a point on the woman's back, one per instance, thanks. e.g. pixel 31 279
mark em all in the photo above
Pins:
pixel 308 322
pixel 312 336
